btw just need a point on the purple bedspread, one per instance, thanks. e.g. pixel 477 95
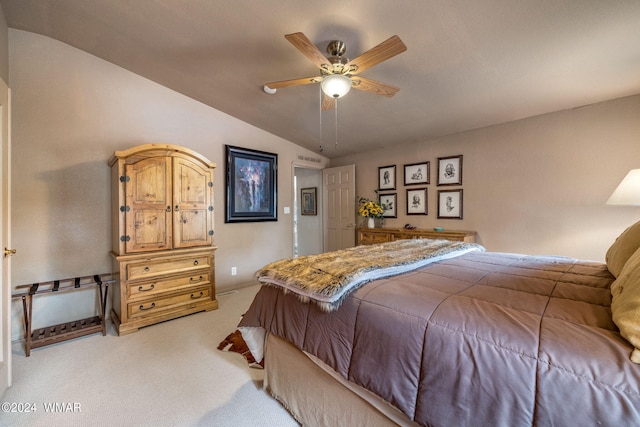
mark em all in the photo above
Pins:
pixel 485 339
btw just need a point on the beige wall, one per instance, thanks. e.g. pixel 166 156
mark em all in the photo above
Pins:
pixel 4 48
pixel 535 186
pixel 71 111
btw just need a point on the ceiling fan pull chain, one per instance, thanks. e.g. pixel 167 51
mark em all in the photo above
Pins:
pixel 336 120
pixel 320 116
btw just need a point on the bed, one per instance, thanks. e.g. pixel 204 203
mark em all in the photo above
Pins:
pixel 465 337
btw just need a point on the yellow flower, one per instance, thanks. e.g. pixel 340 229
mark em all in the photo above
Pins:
pixel 369 208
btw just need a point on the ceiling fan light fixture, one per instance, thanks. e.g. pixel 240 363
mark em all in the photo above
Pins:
pixel 336 85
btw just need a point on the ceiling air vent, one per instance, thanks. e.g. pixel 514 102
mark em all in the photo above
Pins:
pixel 309 159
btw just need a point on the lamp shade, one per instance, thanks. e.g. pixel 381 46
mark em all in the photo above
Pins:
pixel 628 191
pixel 336 85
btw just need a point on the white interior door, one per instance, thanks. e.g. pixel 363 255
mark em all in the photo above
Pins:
pixel 5 238
pixel 339 192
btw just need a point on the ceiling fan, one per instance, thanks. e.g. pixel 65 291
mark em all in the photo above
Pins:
pixel 338 74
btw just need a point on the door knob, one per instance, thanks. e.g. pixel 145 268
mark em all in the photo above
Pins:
pixel 9 252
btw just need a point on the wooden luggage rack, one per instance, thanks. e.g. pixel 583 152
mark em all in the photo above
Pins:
pixel 64 331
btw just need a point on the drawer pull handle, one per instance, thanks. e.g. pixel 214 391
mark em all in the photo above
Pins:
pixel 197 296
pixel 195 262
pixel 146 269
pixel 192 280
pixel 153 305
pixel 152 287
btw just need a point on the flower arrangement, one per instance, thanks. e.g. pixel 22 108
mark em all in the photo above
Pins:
pixel 369 208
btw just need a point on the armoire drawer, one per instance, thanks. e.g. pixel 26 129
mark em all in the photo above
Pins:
pixel 156 305
pixel 153 287
pixel 158 267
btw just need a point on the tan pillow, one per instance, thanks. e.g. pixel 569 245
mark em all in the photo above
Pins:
pixel 625 303
pixel 624 246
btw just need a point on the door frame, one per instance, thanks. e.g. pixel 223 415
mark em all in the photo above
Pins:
pixel 5 234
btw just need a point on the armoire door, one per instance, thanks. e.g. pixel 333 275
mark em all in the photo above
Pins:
pixel 148 209
pixel 192 204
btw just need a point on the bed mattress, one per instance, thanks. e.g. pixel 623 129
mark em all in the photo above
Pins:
pixel 481 339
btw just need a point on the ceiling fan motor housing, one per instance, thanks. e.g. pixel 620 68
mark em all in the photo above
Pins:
pixel 336 48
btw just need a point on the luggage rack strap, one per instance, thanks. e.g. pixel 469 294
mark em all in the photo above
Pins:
pixel 63 285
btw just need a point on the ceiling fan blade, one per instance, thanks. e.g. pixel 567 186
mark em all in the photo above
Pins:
pixel 328 103
pixel 294 82
pixel 308 49
pixel 372 86
pixel 385 50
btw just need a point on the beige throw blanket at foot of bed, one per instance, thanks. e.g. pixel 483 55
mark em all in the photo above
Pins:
pixel 327 278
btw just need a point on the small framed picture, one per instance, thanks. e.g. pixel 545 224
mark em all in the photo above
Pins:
pixel 389 204
pixel 308 201
pixel 417 201
pixel 450 170
pixel 416 173
pixel 450 204
pixel 387 177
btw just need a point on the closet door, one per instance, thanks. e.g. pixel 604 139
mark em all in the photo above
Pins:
pixel 192 204
pixel 148 210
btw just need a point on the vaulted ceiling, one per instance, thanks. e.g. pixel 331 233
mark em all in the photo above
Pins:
pixel 468 64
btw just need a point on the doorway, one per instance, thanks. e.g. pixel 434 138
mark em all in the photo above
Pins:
pixel 307 229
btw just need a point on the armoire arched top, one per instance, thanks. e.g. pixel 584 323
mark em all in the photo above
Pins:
pixel 136 153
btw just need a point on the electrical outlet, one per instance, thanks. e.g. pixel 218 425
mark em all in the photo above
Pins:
pixel 234 271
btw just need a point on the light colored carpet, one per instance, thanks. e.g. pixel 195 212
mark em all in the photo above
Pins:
pixel 170 374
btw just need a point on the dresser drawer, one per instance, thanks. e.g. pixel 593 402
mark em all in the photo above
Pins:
pixel 373 238
pixel 189 299
pixel 405 236
pixel 153 287
pixel 156 267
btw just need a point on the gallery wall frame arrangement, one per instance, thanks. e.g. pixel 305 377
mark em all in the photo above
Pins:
pixel 417 202
pixel 309 201
pixel 390 204
pixel 387 178
pixel 450 170
pixel 251 185
pixel 416 176
pixel 417 173
pixel 450 204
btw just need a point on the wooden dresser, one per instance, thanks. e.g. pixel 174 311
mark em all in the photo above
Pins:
pixel 162 224
pixel 369 236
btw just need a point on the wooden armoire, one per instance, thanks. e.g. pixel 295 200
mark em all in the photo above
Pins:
pixel 162 224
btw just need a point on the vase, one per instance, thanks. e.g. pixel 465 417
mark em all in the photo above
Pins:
pixel 371 223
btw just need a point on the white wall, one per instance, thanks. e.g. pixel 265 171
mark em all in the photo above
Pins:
pixel 535 186
pixel 71 111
